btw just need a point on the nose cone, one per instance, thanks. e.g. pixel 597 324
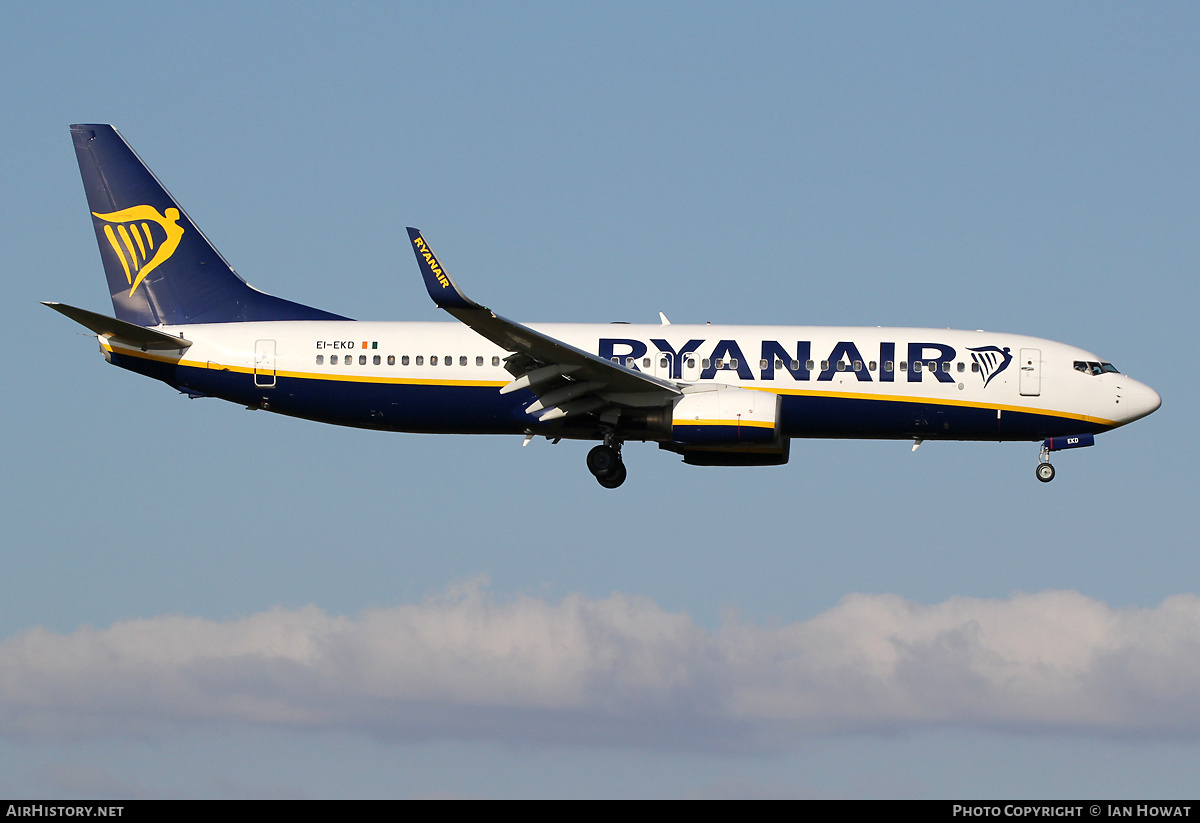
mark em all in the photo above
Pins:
pixel 1136 400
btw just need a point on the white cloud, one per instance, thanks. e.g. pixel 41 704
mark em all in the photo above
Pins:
pixel 620 670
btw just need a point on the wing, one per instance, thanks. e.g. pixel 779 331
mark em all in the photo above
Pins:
pixel 567 381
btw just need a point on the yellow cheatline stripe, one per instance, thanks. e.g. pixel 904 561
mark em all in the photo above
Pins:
pixel 883 398
pixel 934 401
pixel 760 424
pixel 112 239
pixel 343 378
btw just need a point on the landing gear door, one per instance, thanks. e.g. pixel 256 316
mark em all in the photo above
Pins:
pixel 264 363
pixel 1031 372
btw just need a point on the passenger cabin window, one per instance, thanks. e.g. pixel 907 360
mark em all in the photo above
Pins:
pixel 404 360
pixel 420 360
pixel 841 365
pixel 887 365
pixel 449 360
pixel 903 365
pixel 333 359
pixel 320 359
pixel 809 365
pixel 479 360
pixel 962 367
pixel 872 365
pixel 496 360
pixel 391 359
pixel 433 360
pixel 362 360
pixel 858 365
pixel 645 362
pixel 824 365
pixel 974 367
pixel 375 360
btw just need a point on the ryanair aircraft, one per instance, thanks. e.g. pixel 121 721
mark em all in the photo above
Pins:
pixel 717 395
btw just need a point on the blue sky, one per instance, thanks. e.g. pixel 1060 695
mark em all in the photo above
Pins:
pixel 202 601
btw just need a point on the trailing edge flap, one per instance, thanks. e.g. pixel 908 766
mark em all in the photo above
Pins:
pixel 608 377
pixel 128 333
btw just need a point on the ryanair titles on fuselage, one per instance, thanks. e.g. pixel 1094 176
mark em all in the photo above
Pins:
pixel 845 358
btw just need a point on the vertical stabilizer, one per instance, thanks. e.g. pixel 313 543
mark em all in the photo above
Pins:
pixel 161 269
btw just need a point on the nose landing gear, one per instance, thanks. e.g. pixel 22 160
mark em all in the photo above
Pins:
pixel 605 464
pixel 1045 472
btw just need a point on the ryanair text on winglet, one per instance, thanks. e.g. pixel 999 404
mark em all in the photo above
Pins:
pixel 434 265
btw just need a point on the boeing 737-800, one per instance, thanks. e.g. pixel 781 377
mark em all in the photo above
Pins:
pixel 717 395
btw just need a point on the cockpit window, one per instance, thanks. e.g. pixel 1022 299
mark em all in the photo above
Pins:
pixel 1092 367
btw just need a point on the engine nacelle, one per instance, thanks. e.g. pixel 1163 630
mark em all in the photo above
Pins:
pixel 727 426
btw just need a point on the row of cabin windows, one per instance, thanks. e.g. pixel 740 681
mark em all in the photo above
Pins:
pixel 810 365
pixel 719 363
pixel 419 360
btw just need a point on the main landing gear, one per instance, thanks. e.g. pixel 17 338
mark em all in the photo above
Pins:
pixel 604 462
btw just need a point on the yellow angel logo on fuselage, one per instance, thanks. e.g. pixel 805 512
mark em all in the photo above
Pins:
pixel 134 242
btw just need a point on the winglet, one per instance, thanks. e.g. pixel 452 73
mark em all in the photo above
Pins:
pixel 444 291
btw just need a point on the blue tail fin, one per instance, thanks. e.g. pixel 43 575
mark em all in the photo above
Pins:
pixel 161 269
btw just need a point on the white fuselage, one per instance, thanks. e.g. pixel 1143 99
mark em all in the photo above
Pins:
pixel 833 381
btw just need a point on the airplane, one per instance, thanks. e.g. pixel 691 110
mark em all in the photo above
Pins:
pixel 715 395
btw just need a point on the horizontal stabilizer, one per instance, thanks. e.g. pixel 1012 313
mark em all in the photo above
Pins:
pixel 128 333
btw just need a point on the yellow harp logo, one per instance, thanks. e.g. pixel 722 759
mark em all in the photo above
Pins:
pixel 138 245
